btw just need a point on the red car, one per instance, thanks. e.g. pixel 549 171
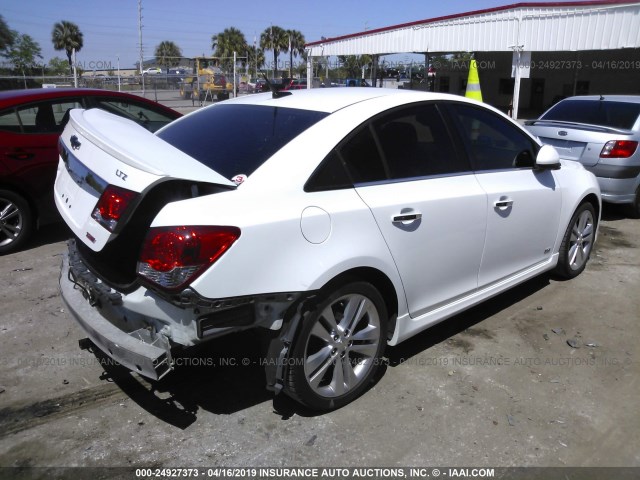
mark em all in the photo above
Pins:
pixel 30 123
pixel 296 84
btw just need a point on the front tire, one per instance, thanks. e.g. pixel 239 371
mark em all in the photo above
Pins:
pixel 16 221
pixel 577 242
pixel 338 348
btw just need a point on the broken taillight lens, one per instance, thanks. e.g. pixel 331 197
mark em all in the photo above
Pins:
pixel 112 204
pixel 172 257
pixel 618 149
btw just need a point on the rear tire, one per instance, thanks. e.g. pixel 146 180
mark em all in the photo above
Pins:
pixel 16 221
pixel 633 209
pixel 577 242
pixel 338 348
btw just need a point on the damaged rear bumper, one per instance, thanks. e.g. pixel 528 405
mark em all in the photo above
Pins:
pixel 140 350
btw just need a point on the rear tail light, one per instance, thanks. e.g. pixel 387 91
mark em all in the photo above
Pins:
pixel 112 205
pixel 172 257
pixel 618 149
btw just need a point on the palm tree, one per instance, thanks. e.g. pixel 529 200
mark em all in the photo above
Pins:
pixel 67 36
pixel 225 43
pixel 296 46
pixel 274 38
pixel 168 54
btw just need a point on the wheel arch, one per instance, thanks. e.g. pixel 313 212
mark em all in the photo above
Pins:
pixel 592 198
pixel 379 280
pixel 16 190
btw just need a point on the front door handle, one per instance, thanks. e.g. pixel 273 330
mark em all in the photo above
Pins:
pixel 407 217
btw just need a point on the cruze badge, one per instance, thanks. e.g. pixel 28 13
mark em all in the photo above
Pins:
pixel 121 174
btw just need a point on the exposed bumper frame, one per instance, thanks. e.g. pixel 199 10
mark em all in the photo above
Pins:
pixel 136 350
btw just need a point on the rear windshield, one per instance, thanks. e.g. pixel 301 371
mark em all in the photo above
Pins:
pixel 595 112
pixel 237 139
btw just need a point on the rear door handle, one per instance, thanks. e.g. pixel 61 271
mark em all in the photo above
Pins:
pixel 407 217
pixel 19 155
pixel 503 203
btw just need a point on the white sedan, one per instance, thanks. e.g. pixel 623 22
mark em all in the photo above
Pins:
pixel 338 221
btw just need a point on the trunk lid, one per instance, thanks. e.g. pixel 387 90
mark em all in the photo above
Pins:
pixel 576 141
pixel 98 150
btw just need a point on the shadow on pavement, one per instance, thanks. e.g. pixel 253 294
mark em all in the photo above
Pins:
pixel 226 375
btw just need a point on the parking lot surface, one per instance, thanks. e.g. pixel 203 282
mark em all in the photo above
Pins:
pixel 544 375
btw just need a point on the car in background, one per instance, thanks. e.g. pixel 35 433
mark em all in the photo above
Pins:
pixel 30 123
pixel 175 76
pixel 264 85
pixel 601 132
pixel 152 71
pixel 296 84
pixel 261 86
pixel 390 73
pixel 356 82
pixel 334 221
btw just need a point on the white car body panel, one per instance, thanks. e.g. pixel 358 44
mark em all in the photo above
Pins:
pixel 438 255
pixel 408 327
pixel 122 165
pixel 272 241
pixel 511 244
pixel 462 251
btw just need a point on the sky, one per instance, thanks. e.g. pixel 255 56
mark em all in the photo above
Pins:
pixel 110 27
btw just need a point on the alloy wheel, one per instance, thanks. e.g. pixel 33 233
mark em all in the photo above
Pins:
pixel 11 222
pixel 342 346
pixel 581 240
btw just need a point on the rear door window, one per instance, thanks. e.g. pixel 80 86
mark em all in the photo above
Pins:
pixel 403 144
pixel 415 143
pixel 140 113
pixel 41 117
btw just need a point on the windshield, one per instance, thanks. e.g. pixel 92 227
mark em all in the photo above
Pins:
pixel 237 139
pixel 595 112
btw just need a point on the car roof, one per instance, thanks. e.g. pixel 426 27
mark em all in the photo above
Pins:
pixel 330 100
pixel 9 98
pixel 43 93
pixel 607 98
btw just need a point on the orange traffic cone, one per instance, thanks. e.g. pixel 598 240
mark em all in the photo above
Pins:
pixel 473 83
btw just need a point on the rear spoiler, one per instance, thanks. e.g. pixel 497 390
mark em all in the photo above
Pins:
pixel 582 126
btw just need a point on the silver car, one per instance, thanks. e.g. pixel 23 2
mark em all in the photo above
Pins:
pixel 602 132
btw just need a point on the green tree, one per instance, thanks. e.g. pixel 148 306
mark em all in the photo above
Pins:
pixel 67 36
pixel 274 38
pixel 351 65
pixel 225 43
pixel 6 35
pixel 168 54
pixel 58 66
pixel 256 59
pixel 296 43
pixel 23 53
